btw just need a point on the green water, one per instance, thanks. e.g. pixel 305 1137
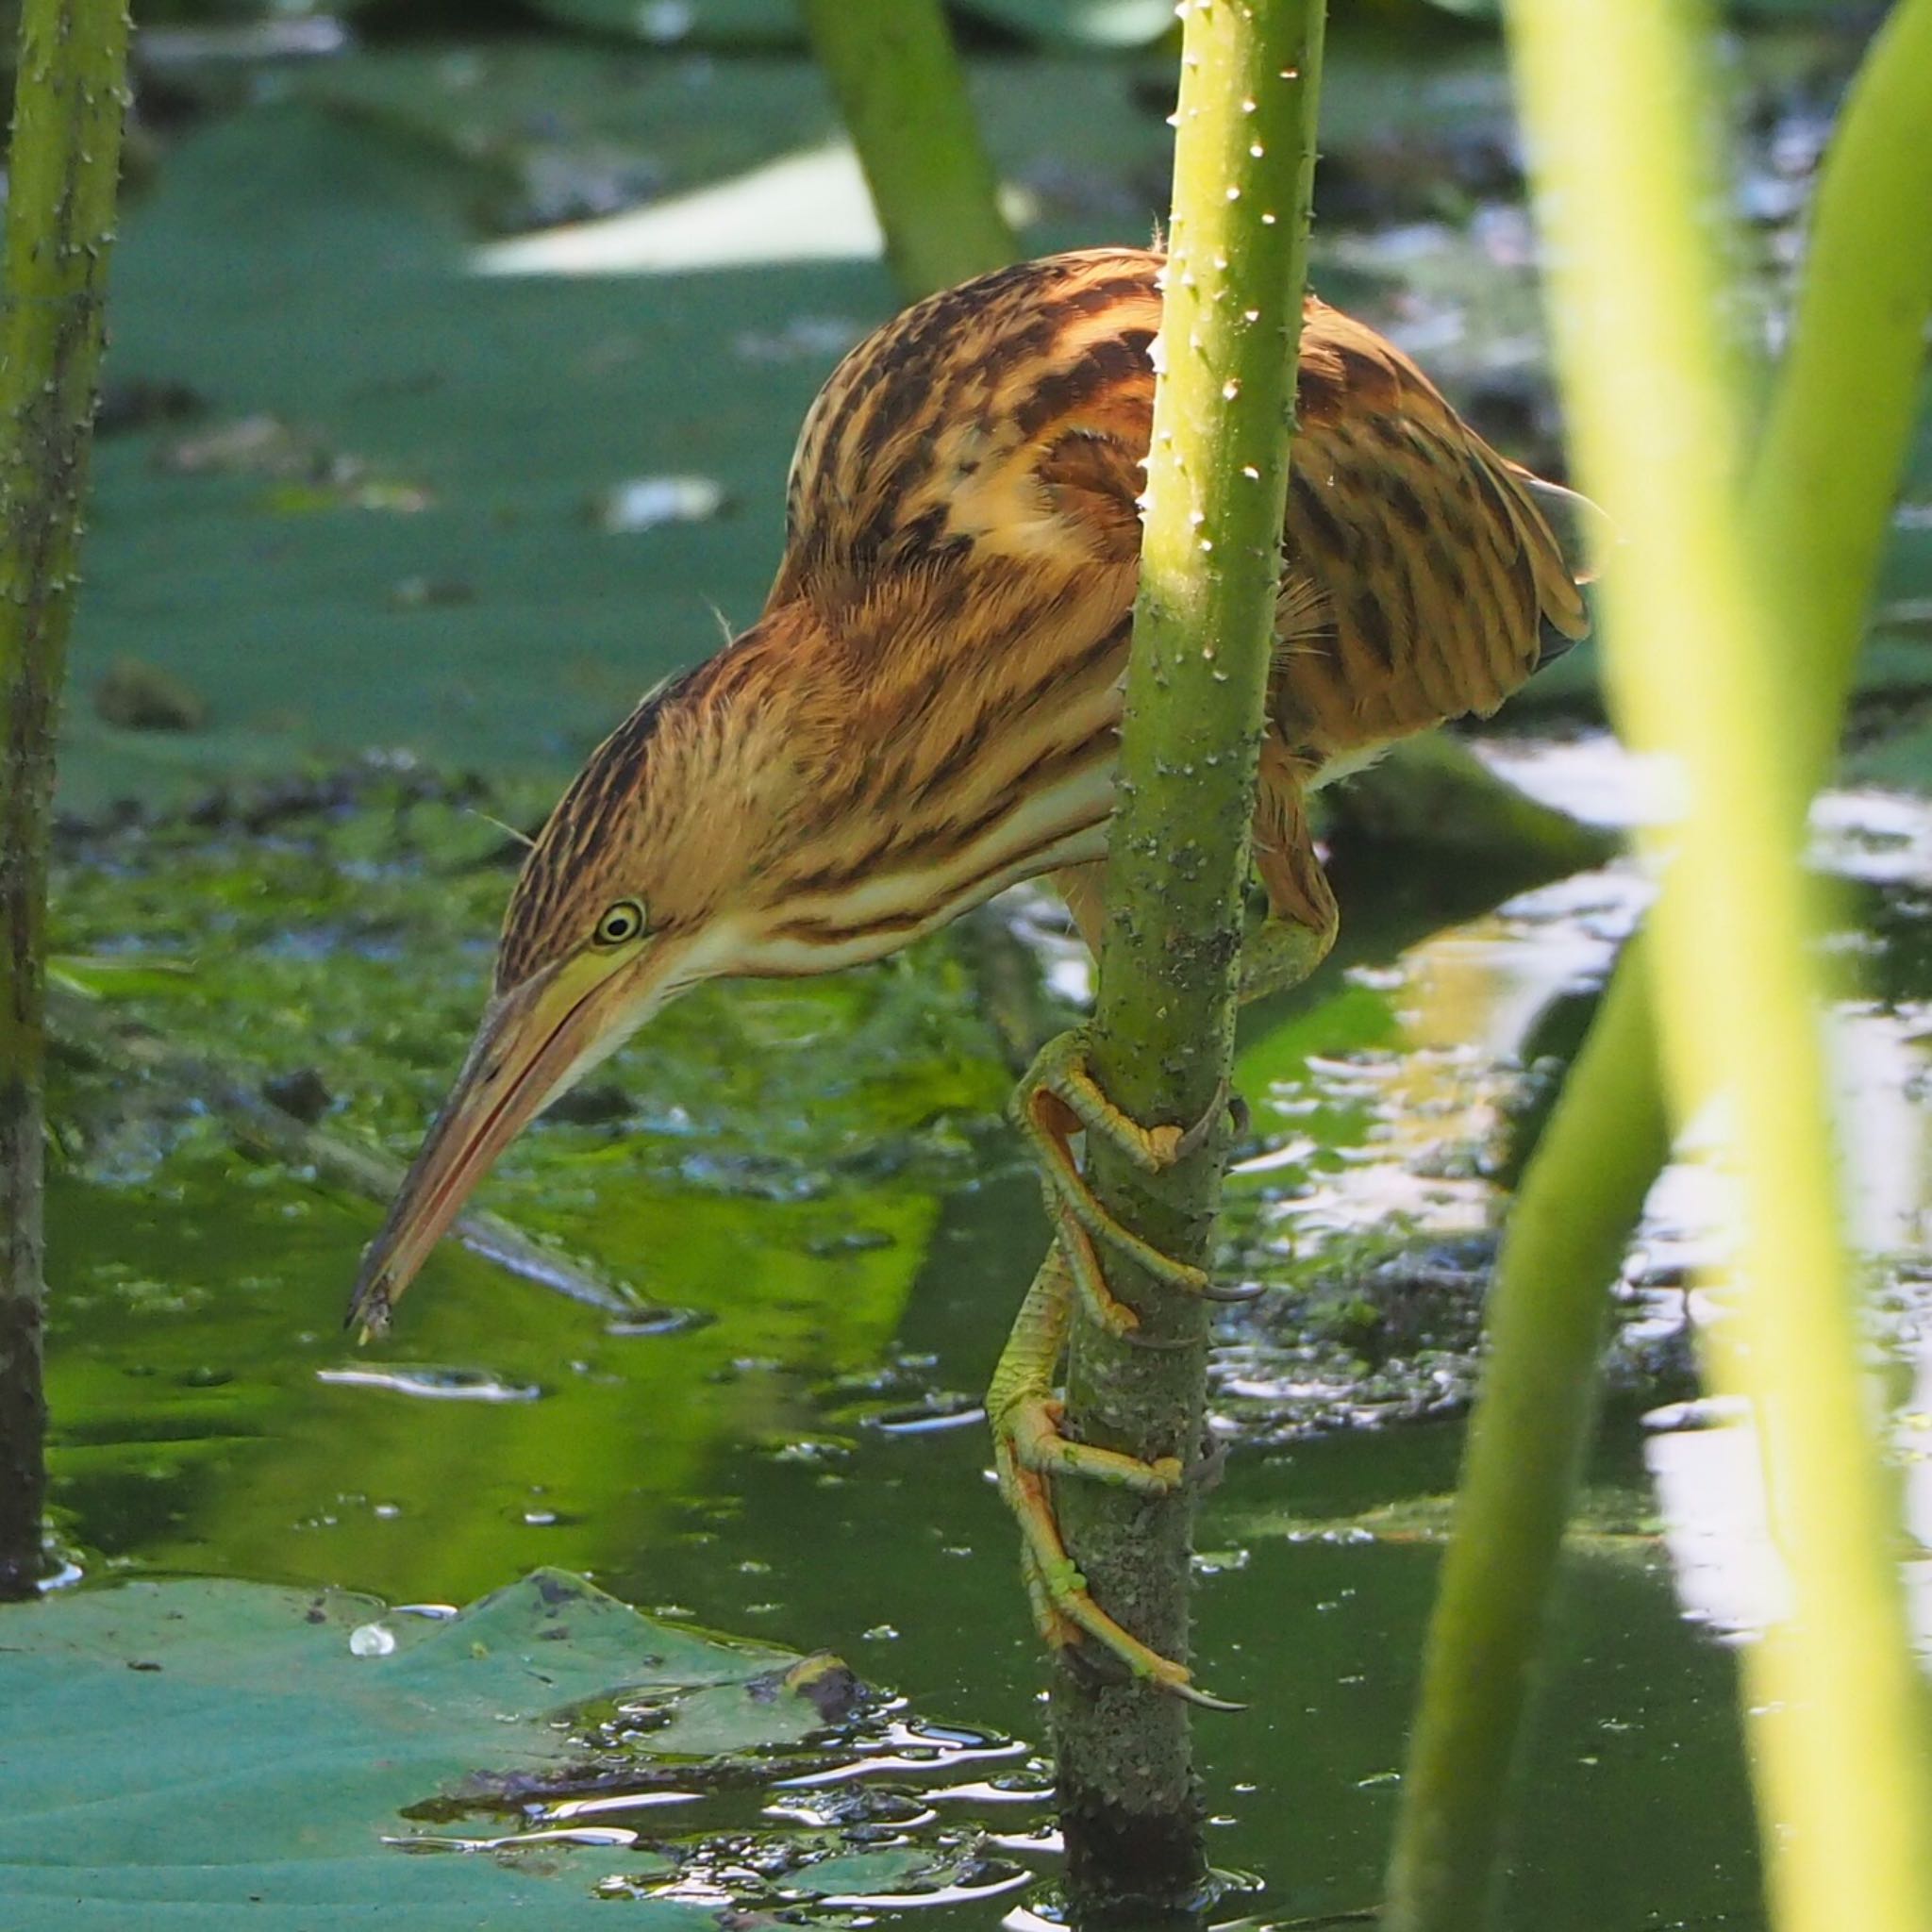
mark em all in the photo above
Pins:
pixel 815 1179
pixel 378 524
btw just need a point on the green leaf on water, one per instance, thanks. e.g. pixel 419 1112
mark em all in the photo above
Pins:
pixel 204 1749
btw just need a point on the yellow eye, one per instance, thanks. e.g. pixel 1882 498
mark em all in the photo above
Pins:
pixel 619 924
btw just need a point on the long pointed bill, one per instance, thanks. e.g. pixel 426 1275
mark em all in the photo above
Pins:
pixel 531 1043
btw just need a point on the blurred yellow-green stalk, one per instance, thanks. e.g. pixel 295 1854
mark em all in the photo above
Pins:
pixel 1707 664
pixel 1823 478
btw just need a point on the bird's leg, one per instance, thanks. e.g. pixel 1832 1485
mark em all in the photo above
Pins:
pixel 1281 953
pixel 1299 930
pixel 1059 1098
pixel 1029 1446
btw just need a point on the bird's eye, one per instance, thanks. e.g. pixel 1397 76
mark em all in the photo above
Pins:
pixel 619 924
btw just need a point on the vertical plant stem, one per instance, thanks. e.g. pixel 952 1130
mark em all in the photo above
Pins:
pixel 899 83
pixel 1828 465
pixel 1819 504
pixel 64 168
pixel 1203 638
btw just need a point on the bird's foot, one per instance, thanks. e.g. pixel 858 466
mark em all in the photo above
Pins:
pixel 1283 952
pixel 1029 1448
pixel 1059 1098
pixel 1064 1608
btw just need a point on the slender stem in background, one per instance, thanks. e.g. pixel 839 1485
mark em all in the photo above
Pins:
pixel 903 93
pixel 1211 559
pixel 1828 466
pixel 1818 502
pixel 65 160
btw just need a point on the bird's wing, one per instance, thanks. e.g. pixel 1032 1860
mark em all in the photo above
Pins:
pixel 1422 580
pixel 984 450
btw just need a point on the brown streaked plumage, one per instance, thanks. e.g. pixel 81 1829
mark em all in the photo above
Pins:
pixel 926 712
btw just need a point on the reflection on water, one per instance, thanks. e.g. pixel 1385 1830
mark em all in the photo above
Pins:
pixel 1719 1510
pixel 820 1176
pixel 437 1384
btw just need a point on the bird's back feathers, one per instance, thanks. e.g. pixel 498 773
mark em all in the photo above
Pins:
pixel 990 440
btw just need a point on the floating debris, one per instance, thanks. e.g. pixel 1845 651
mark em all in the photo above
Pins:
pixel 258 445
pixel 940 1410
pixel 139 697
pixel 431 593
pixel 435 1385
pixel 306 473
pixel 646 502
pixel 804 339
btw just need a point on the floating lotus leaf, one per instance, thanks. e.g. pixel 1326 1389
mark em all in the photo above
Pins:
pixel 194 1752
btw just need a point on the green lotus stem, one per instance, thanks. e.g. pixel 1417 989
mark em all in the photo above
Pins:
pixel 899 84
pixel 68 104
pixel 1816 510
pixel 1178 851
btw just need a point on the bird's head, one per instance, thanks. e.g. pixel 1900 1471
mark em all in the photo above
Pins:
pixel 644 881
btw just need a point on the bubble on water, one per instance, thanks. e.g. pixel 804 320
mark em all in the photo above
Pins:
pixel 372 1640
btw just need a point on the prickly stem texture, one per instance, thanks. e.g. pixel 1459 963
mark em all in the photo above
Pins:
pixel 69 101
pixel 903 93
pixel 1217 476
pixel 1816 507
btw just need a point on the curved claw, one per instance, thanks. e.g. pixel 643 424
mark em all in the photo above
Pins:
pixel 1197 1136
pixel 1094 1664
pixel 1206 1471
pixel 1205 1700
pixel 1231 1295
pixel 1234 1292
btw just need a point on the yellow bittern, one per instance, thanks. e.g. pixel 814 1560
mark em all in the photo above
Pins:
pixel 926 712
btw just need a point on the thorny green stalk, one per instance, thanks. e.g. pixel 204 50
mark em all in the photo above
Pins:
pixel 69 101
pixel 1211 559
pixel 892 65
pixel 1816 506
